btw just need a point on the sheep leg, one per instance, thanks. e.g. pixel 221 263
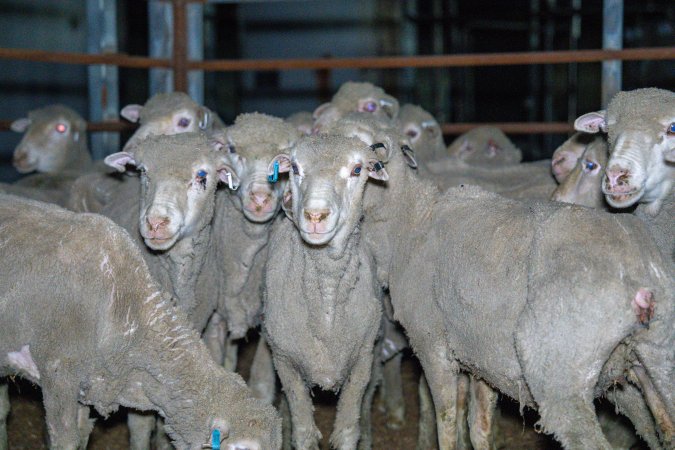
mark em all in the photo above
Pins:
pixel 286 428
pixel 140 428
pixel 391 393
pixel 231 349
pixel 305 433
pixel 4 412
pixel 262 380
pixel 214 337
pixel 463 395
pixel 426 427
pixel 629 401
pixel 162 441
pixel 482 404
pixel 656 405
pixel 346 431
pixel 85 425
pixel 61 410
pixel 365 422
pixel 441 374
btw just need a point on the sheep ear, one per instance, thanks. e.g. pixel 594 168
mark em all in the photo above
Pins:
pixel 204 118
pixel 376 170
pixel 287 201
pixel 592 122
pixel 120 160
pixel 284 164
pixel 390 106
pixel 227 175
pixel 20 125
pixel 132 112
pixel 320 109
pixel 409 156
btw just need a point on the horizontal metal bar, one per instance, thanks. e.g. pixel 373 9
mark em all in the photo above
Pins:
pixel 468 60
pixel 115 59
pixel 448 128
pixel 382 62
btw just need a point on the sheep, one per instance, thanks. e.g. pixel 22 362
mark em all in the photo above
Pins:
pixel 424 132
pixel 172 216
pixel 581 186
pixel 94 329
pixel 54 145
pixel 303 121
pixel 55 141
pixel 565 157
pixel 530 338
pixel 232 276
pixel 169 113
pixel 484 146
pixel 640 126
pixel 352 97
pixel 322 309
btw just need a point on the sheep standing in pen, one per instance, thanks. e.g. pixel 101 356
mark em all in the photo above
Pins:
pixel 565 157
pixel 484 146
pixel 556 333
pixel 322 309
pixel 81 316
pixel 640 128
pixel 355 97
pixel 231 281
pixel 172 216
pixel 54 145
pixel 582 186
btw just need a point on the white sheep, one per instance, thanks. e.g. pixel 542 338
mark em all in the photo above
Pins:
pixel 95 329
pixel 640 128
pixel 485 146
pixel 322 309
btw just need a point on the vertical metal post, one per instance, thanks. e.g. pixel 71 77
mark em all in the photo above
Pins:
pixel 573 68
pixel 160 41
pixel 179 60
pixel 195 49
pixel 612 39
pixel 549 40
pixel 534 71
pixel 103 79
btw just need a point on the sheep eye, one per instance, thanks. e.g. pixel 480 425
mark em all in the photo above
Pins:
pixel 231 148
pixel 201 178
pixel 356 171
pixel 370 106
pixel 295 169
pixel 61 128
pixel 671 129
pixel 411 133
pixel 589 166
pixel 184 122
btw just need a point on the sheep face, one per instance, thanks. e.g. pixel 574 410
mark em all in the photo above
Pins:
pixel 485 146
pixel 582 185
pixel 565 157
pixel 50 135
pixel 179 175
pixel 641 133
pixel 167 114
pixel 423 131
pixel 327 175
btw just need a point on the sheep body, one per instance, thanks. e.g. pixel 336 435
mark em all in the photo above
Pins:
pixel 118 339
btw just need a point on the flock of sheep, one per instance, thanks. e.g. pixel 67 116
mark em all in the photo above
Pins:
pixel 175 247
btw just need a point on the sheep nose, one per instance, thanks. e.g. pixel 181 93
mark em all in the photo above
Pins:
pixel 157 222
pixel 316 215
pixel 260 198
pixel 617 177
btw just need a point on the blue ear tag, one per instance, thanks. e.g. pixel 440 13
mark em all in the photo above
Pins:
pixel 215 440
pixel 274 177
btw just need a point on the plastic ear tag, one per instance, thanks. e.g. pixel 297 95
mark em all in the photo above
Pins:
pixel 275 176
pixel 378 166
pixel 215 440
pixel 229 181
pixel 377 145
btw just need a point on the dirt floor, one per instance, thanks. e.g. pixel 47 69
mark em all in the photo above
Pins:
pixel 27 430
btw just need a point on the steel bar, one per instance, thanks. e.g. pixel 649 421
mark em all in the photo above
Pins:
pixel 448 128
pixel 179 59
pixel 103 79
pixel 383 62
pixel 195 50
pixel 612 39
pixel 160 43
pixel 117 59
